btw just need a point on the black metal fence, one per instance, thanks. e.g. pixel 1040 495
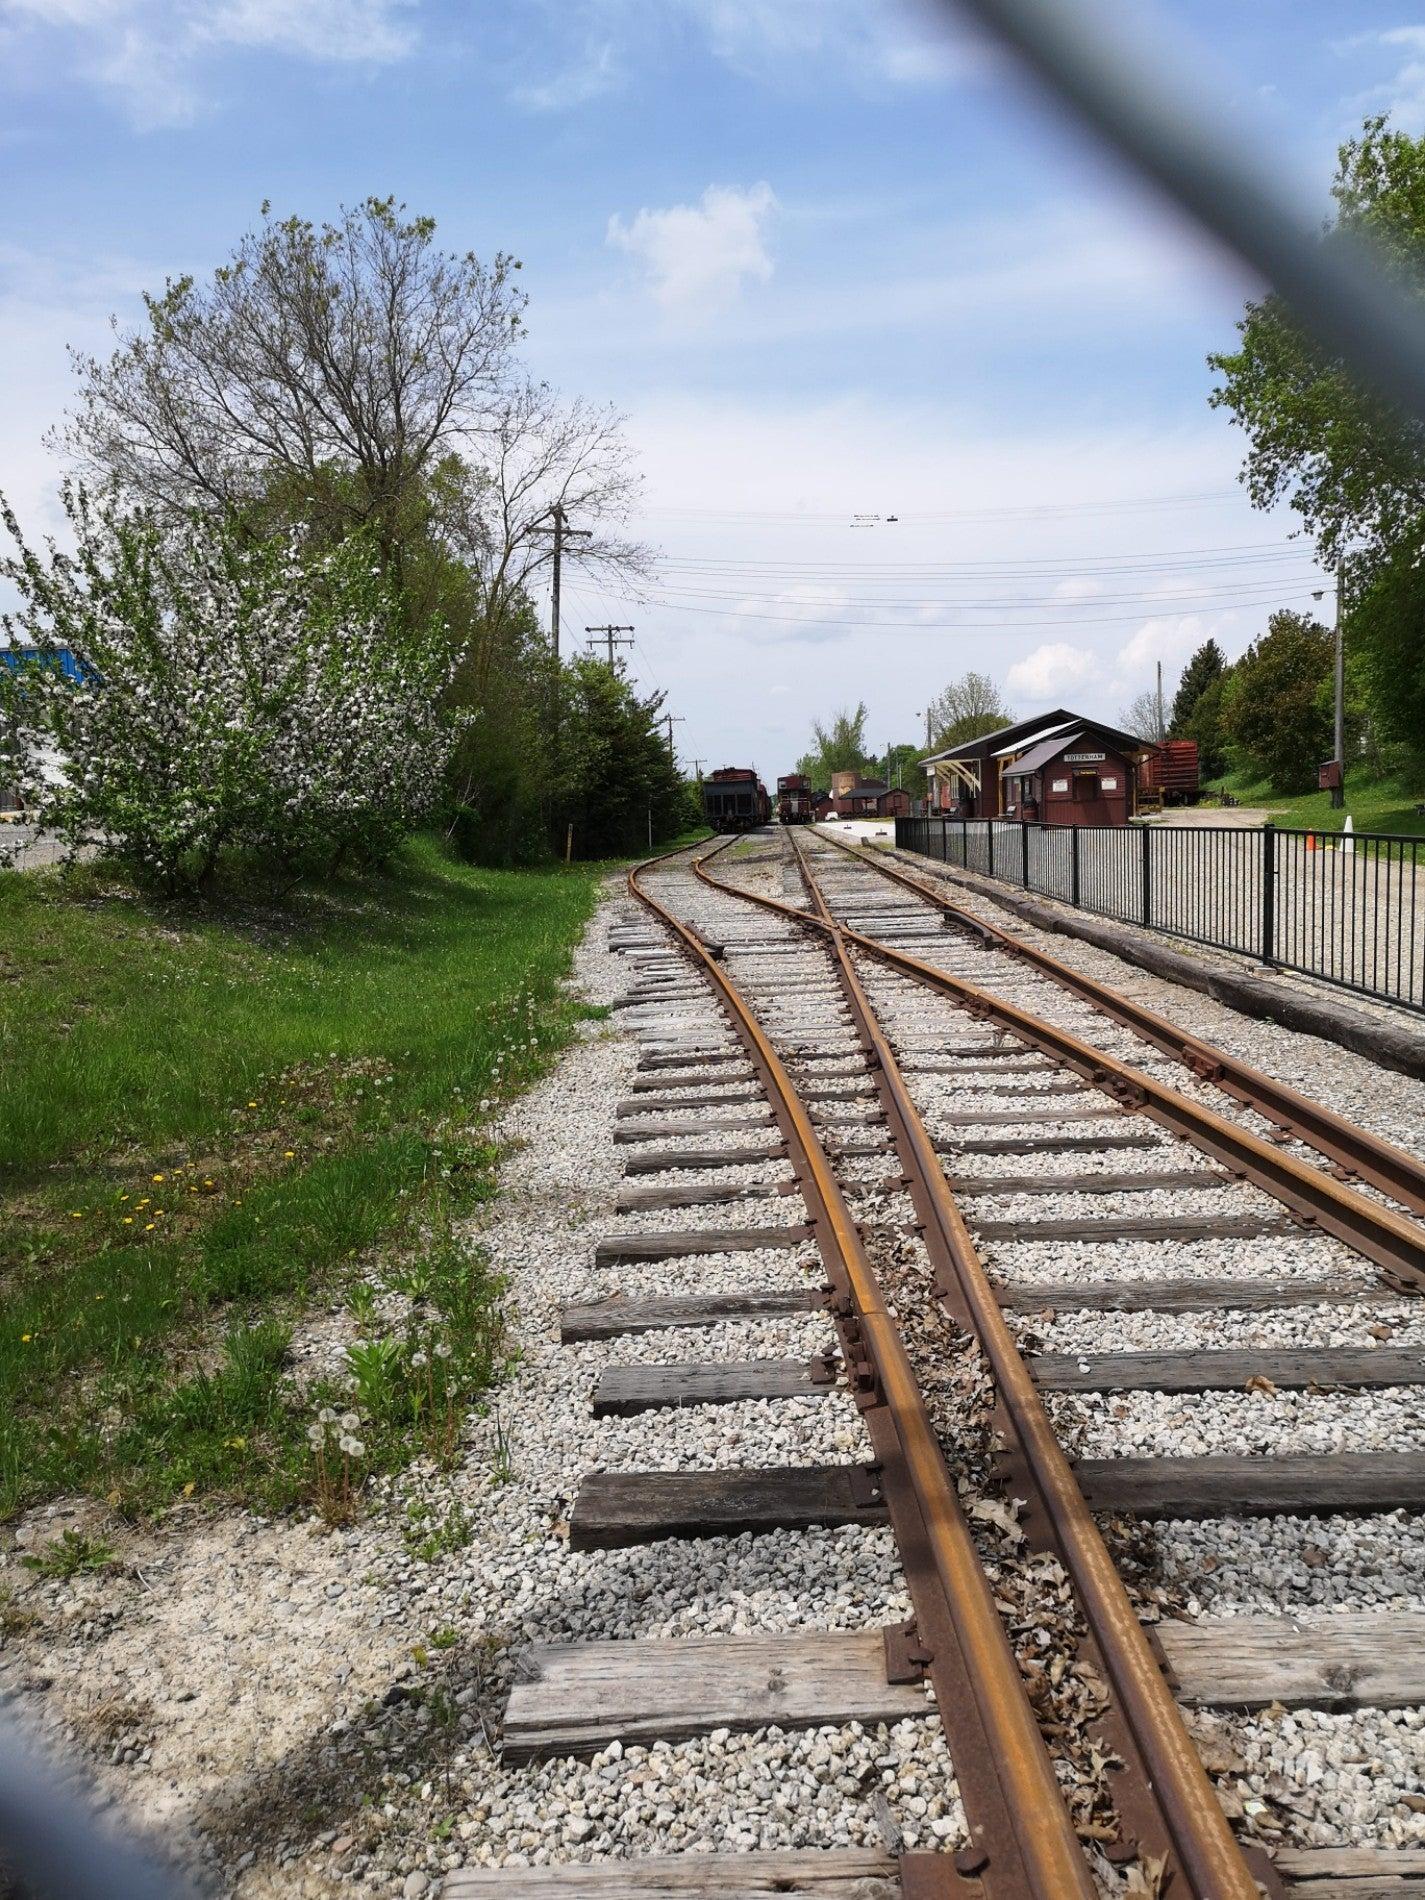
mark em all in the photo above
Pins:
pixel 1349 910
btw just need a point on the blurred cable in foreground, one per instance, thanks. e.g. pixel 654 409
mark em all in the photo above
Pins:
pixel 1103 65
pixel 53 1848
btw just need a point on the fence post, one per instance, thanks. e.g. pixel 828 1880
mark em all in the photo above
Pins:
pixel 990 844
pixel 1074 867
pixel 964 844
pixel 1147 876
pixel 1269 892
pixel 1024 841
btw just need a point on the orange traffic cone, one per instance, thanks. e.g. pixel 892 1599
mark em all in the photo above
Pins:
pixel 1311 840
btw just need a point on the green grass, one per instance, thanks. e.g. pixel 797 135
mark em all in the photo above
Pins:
pixel 210 1121
pixel 1373 804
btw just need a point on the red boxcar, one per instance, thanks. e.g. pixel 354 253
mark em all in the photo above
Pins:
pixel 1171 772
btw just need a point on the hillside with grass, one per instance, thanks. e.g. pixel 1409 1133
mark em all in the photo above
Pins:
pixel 1390 803
pixel 220 1122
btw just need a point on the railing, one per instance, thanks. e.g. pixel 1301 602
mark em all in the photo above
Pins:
pixel 1350 911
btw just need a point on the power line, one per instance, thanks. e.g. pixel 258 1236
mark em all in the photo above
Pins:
pixel 1016 512
pixel 1245 593
pixel 950 626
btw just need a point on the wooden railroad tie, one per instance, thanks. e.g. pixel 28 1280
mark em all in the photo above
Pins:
pixel 794 1873
pixel 618 1248
pixel 664 1160
pixel 609 1319
pixel 1114 1227
pixel 1188 1296
pixel 1293 1484
pixel 624 1390
pixel 1294 1369
pixel 576 1698
pixel 614 1509
pixel 702 1194
pixel 672 1129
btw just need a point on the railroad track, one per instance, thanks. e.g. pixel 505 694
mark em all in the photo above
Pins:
pixel 980 1184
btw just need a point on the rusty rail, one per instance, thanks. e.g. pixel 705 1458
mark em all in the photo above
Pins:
pixel 1167 1801
pixel 1023 1842
pixel 1317 1199
pixel 1354 1151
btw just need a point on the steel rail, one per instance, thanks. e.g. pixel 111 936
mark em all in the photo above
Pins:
pixel 1023 1842
pixel 1169 1802
pixel 1354 1150
pixel 1395 1243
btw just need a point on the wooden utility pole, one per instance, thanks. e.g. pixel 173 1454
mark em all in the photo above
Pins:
pixel 611 639
pixel 1161 733
pixel 559 523
pixel 670 720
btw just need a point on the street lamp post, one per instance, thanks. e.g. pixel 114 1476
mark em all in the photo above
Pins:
pixel 1338 792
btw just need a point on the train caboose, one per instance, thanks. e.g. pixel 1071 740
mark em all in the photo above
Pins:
pixel 794 799
pixel 735 799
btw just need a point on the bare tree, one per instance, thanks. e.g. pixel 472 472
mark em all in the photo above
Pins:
pixel 353 374
pixel 967 708
pixel 354 348
pixel 535 451
pixel 1140 716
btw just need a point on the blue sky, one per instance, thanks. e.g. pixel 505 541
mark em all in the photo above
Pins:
pixel 830 259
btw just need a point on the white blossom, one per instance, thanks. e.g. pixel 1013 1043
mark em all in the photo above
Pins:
pixel 236 694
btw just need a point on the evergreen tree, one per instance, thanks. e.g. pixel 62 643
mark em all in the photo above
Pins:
pixel 1206 666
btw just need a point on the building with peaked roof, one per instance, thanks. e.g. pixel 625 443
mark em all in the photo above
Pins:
pixel 1060 768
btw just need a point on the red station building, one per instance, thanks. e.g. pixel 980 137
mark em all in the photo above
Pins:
pixel 1058 769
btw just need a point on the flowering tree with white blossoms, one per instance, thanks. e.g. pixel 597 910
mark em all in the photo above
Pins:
pixel 235 694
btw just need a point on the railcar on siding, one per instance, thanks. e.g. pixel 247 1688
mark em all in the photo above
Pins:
pixel 735 799
pixel 794 799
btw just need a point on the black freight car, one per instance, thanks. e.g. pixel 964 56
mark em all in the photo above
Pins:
pixel 794 796
pixel 735 799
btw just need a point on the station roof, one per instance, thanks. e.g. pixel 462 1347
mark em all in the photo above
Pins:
pixel 1009 737
pixel 1059 739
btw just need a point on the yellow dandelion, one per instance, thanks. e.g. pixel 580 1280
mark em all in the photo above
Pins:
pixel 149 1228
pixel 128 1220
pixel 74 1214
pixel 156 1177
pixel 25 1338
pixel 288 1153
pixel 252 1104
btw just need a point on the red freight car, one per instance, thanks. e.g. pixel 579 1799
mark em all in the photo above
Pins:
pixel 794 799
pixel 1169 775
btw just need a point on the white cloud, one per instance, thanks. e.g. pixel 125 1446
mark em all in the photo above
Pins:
pixel 1403 94
pixel 1168 638
pixel 152 54
pixel 1051 671
pixel 698 257
pixel 776 44
pixel 597 72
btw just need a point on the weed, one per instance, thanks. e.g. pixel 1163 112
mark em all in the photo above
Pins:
pixel 361 1304
pixel 446 1638
pixel 441 1539
pixel 502 1465
pixel 71 1554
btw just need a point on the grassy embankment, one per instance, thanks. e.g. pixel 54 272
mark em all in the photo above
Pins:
pixel 214 1123
pixel 1374 804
